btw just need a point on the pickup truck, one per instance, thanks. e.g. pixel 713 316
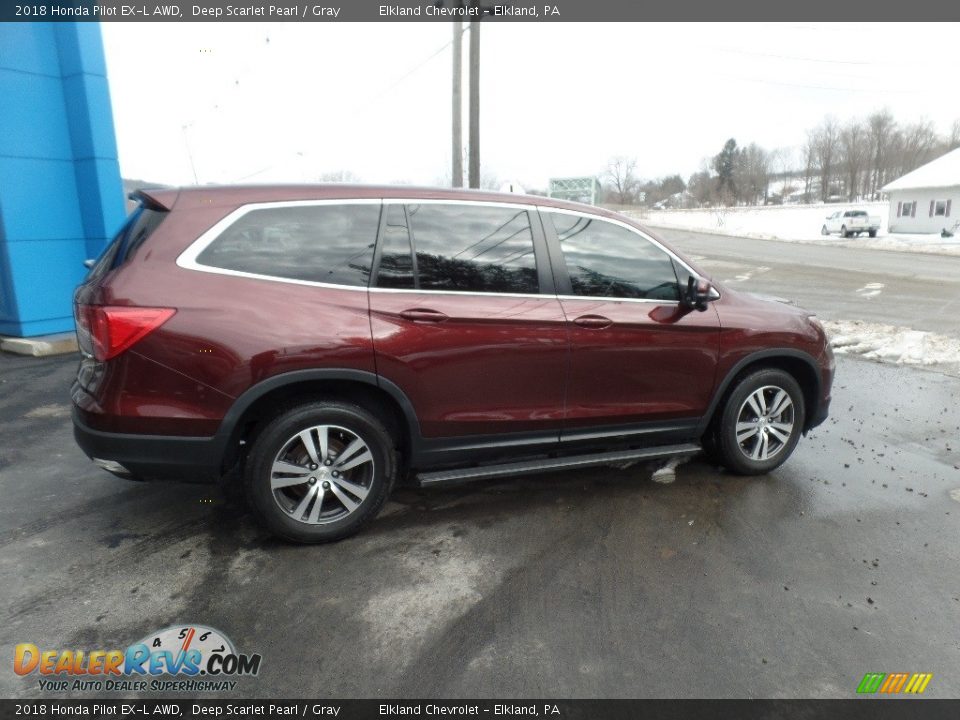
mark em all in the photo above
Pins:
pixel 851 222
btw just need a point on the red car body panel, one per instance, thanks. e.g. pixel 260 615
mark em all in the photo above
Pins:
pixel 496 365
pixel 655 362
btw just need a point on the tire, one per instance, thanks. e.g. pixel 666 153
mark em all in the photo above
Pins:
pixel 824 231
pixel 872 233
pixel 843 231
pixel 352 482
pixel 743 455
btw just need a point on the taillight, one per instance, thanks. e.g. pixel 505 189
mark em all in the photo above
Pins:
pixel 106 331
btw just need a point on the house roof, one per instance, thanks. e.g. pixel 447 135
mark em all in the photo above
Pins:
pixel 942 172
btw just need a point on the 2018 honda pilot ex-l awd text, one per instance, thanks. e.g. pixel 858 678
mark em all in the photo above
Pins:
pixel 326 341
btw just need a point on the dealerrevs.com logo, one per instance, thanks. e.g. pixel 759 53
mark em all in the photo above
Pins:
pixel 180 658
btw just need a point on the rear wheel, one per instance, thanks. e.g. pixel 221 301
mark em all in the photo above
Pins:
pixel 761 422
pixel 873 233
pixel 320 471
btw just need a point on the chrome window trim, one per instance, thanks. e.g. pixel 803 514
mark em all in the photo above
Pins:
pixel 188 258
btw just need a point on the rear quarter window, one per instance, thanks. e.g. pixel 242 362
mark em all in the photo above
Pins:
pixel 317 243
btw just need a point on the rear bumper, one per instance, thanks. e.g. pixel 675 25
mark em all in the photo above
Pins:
pixel 151 457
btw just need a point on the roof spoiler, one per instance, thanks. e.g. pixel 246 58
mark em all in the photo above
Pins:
pixel 155 199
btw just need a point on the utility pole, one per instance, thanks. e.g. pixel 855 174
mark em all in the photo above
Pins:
pixel 474 160
pixel 457 179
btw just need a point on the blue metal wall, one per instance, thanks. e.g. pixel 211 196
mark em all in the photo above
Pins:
pixel 61 198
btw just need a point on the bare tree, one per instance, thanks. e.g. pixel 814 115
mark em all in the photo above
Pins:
pixel 622 179
pixel 809 164
pixel 854 151
pixel 953 139
pixel 701 186
pixel 881 127
pixel 919 144
pixel 825 151
pixel 752 174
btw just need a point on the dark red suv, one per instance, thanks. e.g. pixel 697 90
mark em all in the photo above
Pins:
pixel 325 341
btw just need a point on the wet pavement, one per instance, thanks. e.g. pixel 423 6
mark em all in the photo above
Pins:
pixel 595 583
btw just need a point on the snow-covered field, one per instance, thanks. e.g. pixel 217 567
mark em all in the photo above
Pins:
pixel 796 223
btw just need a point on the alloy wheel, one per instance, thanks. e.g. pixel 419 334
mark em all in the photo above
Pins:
pixel 322 474
pixel 765 423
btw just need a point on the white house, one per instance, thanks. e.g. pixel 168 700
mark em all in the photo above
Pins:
pixel 926 200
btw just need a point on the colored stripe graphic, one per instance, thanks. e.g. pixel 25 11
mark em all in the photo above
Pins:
pixel 918 683
pixel 893 683
pixel 871 682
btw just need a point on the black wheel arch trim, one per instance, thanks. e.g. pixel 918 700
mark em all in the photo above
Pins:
pixel 227 435
pixel 771 353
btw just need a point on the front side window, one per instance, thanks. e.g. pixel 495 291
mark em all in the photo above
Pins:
pixel 607 260
pixel 473 248
pixel 320 243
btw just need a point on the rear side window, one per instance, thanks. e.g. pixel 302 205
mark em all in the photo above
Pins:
pixel 472 248
pixel 607 260
pixel 139 226
pixel 320 243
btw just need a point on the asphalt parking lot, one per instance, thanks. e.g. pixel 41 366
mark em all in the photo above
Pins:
pixel 577 584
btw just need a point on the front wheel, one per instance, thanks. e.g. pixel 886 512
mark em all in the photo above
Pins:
pixel 843 231
pixel 761 422
pixel 824 231
pixel 320 471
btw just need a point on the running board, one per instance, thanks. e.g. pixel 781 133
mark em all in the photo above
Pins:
pixel 529 467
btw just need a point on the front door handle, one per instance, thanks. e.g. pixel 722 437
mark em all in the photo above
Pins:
pixel 423 315
pixel 594 322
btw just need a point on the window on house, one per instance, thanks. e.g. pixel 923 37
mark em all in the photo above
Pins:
pixel 906 209
pixel 940 208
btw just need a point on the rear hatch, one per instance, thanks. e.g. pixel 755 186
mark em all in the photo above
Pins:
pixel 104 331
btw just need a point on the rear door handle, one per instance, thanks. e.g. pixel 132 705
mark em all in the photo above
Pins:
pixel 423 315
pixel 594 322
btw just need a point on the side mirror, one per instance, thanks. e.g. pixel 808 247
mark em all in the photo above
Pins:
pixel 698 293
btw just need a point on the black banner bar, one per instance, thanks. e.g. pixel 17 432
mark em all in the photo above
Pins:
pixel 872 708
pixel 859 11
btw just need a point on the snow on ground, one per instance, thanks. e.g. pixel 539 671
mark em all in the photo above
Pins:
pixel 796 223
pixel 891 344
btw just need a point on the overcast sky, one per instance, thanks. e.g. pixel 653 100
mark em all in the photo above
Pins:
pixel 290 102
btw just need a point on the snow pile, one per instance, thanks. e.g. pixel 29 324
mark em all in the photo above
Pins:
pixel 888 343
pixel 796 223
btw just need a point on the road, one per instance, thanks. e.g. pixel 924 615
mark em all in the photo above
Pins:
pixel 916 291
pixel 596 583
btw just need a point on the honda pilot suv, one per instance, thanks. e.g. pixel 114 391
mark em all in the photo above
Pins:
pixel 320 343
